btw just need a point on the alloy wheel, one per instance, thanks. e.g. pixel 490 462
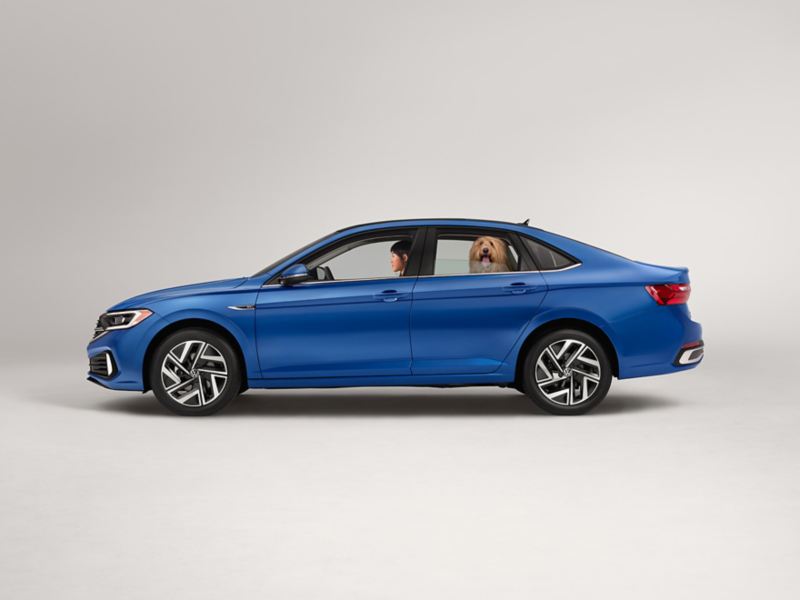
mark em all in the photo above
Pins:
pixel 567 372
pixel 194 373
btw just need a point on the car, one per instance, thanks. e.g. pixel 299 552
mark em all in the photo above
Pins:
pixel 418 302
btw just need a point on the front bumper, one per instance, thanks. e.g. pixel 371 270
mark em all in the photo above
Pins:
pixel 123 350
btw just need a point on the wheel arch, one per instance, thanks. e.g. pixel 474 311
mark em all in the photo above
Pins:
pixel 186 324
pixel 567 323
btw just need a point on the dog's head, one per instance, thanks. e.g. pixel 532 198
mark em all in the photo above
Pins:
pixel 490 252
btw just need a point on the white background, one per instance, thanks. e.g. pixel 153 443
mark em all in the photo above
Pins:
pixel 149 144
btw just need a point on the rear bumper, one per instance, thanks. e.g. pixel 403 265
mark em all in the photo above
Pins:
pixel 662 341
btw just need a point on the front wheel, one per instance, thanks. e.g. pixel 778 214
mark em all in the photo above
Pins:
pixel 566 372
pixel 195 372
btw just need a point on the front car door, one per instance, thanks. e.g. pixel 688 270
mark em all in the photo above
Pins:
pixel 351 320
pixel 469 309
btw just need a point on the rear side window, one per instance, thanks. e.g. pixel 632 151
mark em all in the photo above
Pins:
pixel 546 257
pixel 469 252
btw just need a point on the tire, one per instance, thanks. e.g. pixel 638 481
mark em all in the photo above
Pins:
pixel 195 372
pixel 563 356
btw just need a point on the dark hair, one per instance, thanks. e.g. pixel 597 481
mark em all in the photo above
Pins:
pixel 401 247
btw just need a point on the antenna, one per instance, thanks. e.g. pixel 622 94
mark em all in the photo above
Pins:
pixel 525 222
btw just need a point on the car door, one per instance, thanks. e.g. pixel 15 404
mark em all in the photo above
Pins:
pixel 351 321
pixel 464 321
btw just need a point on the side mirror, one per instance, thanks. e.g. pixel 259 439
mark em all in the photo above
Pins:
pixel 294 274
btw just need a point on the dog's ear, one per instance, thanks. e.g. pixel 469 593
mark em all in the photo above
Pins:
pixel 473 250
pixel 502 254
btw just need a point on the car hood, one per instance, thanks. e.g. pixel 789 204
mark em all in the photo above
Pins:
pixel 143 300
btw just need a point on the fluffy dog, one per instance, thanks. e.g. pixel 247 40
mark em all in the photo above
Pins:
pixel 488 255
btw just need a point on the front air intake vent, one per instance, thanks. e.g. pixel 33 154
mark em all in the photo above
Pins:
pixel 102 365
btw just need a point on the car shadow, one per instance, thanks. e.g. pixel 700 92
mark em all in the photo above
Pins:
pixel 311 403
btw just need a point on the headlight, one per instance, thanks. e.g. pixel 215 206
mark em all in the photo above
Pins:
pixel 121 319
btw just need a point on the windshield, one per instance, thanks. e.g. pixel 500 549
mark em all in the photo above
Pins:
pixel 271 266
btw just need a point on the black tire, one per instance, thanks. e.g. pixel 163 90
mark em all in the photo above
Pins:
pixel 204 396
pixel 566 403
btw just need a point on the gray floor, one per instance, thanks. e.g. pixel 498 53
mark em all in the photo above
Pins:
pixel 679 486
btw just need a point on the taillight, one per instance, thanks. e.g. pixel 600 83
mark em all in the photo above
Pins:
pixel 670 293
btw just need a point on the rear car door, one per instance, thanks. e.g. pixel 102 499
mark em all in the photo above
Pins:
pixel 464 321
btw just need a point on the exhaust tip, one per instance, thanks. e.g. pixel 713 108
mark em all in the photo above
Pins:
pixel 690 354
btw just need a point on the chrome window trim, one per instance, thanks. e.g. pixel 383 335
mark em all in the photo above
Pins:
pixel 415 229
pixel 305 283
pixel 572 266
pixel 504 272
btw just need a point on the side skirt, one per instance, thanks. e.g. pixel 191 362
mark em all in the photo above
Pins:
pixel 500 379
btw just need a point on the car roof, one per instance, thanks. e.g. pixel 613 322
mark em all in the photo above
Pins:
pixel 433 221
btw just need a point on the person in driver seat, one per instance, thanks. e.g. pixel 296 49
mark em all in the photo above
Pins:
pixel 399 256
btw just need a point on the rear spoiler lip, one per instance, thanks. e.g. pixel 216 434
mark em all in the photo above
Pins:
pixel 669 274
pixel 684 269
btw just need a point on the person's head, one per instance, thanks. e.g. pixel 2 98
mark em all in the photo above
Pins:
pixel 399 254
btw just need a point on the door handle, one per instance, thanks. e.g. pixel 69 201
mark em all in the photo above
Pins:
pixel 519 287
pixel 389 295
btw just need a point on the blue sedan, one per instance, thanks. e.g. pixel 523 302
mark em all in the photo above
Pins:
pixel 425 302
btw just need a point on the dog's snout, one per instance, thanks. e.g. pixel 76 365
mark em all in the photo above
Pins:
pixel 485 250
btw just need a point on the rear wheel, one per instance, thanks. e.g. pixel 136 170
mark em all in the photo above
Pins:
pixel 195 372
pixel 566 372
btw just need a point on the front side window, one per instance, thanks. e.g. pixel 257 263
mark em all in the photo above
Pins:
pixel 380 257
pixel 474 252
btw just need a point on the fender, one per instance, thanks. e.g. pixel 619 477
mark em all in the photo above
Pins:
pixel 241 325
pixel 553 314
